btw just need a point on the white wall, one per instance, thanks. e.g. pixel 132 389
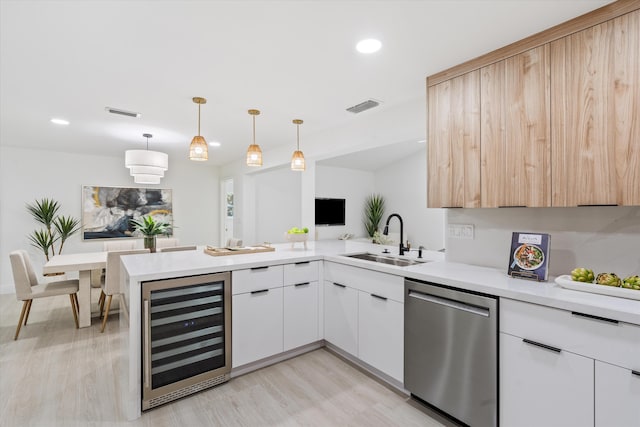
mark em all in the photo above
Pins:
pixel 26 175
pixel 605 239
pixel 404 187
pixel 277 204
pixel 350 184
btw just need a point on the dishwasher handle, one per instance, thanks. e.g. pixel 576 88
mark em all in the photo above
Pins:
pixel 473 309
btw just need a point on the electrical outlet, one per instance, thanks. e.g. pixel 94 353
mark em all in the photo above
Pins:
pixel 467 232
pixel 461 231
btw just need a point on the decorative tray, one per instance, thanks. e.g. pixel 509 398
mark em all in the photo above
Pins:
pixel 566 282
pixel 210 250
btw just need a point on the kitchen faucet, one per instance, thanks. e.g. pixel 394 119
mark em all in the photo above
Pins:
pixel 386 231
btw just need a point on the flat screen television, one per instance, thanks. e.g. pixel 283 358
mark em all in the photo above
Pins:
pixel 330 211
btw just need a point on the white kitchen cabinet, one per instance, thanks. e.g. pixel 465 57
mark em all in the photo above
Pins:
pixel 380 333
pixel 300 314
pixel 617 396
pixel 341 316
pixel 256 326
pixel 364 315
pixel 542 387
pixel 257 278
pixel 300 272
pixel 256 314
pixel 557 381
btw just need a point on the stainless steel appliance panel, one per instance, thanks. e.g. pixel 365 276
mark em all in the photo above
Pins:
pixel 451 351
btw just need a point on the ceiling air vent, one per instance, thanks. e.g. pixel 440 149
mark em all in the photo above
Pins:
pixel 370 103
pixel 122 112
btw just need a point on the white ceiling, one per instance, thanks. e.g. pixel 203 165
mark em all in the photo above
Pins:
pixel 290 59
pixel 376 158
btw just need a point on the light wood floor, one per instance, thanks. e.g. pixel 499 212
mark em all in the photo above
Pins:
pixel 56 375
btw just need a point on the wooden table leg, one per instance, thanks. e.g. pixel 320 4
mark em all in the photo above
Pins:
pixel 84 299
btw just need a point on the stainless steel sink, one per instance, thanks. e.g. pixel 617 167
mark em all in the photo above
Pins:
pixel 385 259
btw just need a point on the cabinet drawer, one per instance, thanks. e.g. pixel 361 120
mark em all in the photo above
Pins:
pixel 301 272
pixel 372 282
pixel 256 279
pixel 609 341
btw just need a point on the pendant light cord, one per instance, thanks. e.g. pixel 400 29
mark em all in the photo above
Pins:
pixel 254 129
pixel 298 136
pixel 198 119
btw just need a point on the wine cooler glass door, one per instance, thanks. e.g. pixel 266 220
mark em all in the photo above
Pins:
pixel 186 335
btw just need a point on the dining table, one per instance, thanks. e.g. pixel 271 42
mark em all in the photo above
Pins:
pixel 83 263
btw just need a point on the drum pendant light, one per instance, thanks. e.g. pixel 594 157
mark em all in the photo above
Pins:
pixel 146 166
pixel 254 153
pixel 198 150
pixel 297 160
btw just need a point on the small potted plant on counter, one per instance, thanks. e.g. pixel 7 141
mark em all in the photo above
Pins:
pixel 150 229
pixel 296 234
pixel 373 212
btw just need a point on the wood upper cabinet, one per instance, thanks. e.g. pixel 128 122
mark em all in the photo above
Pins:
pixel 595 114
pixel 454 142
pixel 515 131
pixel 550 120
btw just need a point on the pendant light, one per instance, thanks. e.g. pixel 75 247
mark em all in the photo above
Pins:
pixel 254 153
pixel 198 150
pixel 146 166
pixel 297 160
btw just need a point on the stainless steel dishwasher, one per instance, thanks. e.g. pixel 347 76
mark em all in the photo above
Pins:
pixel 451 351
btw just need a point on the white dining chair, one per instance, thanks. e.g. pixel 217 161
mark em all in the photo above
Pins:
pixel 179 248
pixel 166 242
pixel 28 288
pixel 119 245
pixel 111 284
pixel 97 276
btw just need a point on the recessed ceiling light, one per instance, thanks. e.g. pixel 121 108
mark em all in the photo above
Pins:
pixel 215 144
pixel 59 121
pixel 422 141
pixel 368 46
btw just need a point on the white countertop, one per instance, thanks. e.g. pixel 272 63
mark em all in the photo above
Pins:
pixel 479 279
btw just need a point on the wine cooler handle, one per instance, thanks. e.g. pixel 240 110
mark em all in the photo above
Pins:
pixel 147 345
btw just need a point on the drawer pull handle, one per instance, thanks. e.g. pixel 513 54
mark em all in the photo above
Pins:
pixel 591 316
pixel 452 207
pixel 339 285
pixel 596 204
pixel 260 268
pixel 637 373
pixel 301 284
pixel 379 297
pixel 537 344
pixel 302 263
pixel 512 206
pixel 261 291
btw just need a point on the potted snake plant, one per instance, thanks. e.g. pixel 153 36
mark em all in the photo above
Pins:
pixel 150 229
pixel 373 212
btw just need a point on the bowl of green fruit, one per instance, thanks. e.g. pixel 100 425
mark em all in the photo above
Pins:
pixel 296 234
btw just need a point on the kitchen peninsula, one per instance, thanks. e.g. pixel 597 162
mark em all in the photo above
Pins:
pixel 559 311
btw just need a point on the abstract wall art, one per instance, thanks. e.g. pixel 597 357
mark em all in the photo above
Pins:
pixel 106 211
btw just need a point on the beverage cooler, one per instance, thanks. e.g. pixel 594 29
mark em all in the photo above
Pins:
pixel 186 336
